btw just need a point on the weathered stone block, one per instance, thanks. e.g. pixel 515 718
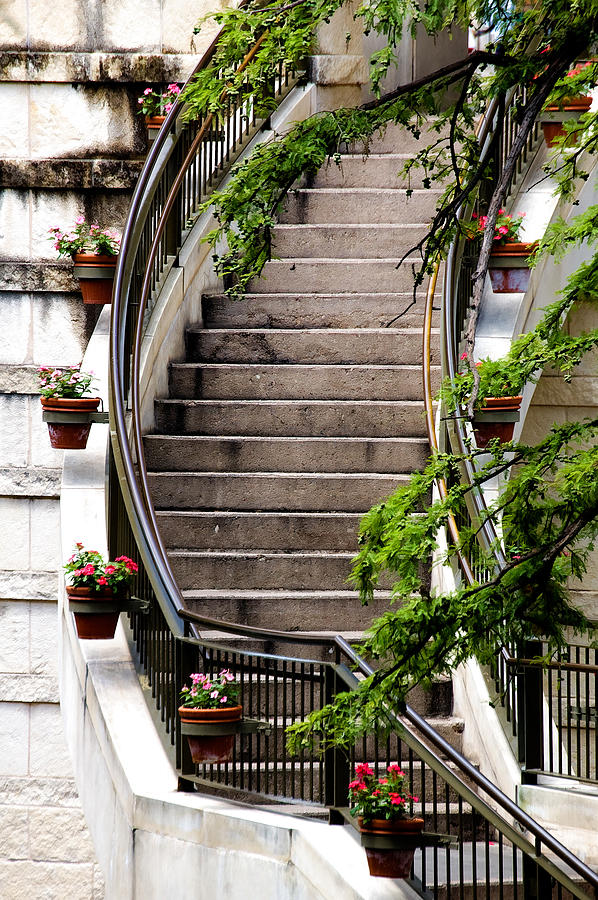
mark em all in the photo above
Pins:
pixel 14 832
pixel 68 30
pixel 14 215
pixel 42 453
pixel 14 546
pixel 76 121
pixel 28 276
pixel 131 24
pixel 15 311
pixel 29 586
pixel 26 688
pixel 13 23
pixel 14 635
pixel 47 750
pixel 82 67
pixel 60 834
pixel 60 329
pixel 14 141
pixel 14 427
pixel 14 740
pixel 45 535
pixel 30 791
pixel 99 887
pixel 26 880
pixel 43 656
pixel 178 21
pixel 18 379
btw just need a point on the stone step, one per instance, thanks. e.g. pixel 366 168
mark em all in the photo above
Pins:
pixel 394 139
pixel 219 530
pixel 313 346
pixel 288 610
pixel 254 381
pixel 319 274
pixel 299 418
pixel 383 241
pixel 197 453
pixel 358 206
pixel 266 570
pixel 378 170
pixel 292 310
pixel 270 491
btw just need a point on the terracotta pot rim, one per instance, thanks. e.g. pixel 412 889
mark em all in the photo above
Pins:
pixel 102 595
pixel 154 121
pixel 514 248
pixel 62 402
pixel 232 713
pixel 104 259
pixel 505 400
pixel 411 825
pixel 583 101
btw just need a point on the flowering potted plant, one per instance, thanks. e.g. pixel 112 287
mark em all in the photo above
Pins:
pixel 155 106
pixel 209 712
pixel 566 104
pixel 509 270
pixel 384 806
pixel 501 389
pixel 94 251
pixel 62 391
pixel 95 588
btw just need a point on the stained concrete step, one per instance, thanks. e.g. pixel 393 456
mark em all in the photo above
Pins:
pixel 357 206
pixel 382 241
pixel 299 418
pixel 378 170
pixel 196 453
pixel 319 274
pixel 310 346
pixel 265 570
pixel 219 530
pixel 317 310
pixel 289 610
pixel 254 381
pixel 395 139
pixel 270 491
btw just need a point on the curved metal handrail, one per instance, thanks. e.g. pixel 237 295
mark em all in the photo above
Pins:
pixel 140 510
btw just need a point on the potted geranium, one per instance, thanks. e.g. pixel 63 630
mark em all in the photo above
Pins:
pixel 95 588
pixel 63 391
pixel 508 269
pixel 384 806
pixel 155 106
pixel 94 250
pixel 209 712
pixel 566 104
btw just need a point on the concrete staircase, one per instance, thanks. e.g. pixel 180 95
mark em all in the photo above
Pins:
pixel 296 408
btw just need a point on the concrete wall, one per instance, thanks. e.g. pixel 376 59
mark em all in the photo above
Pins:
pixel 70 73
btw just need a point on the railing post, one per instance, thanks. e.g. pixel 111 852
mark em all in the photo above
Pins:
pixel 530 714
pixel 173 228
pixel 184 664
pixel 336 761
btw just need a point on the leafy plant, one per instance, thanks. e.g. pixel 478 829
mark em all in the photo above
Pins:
pixel 210 691
pixel 84 238
pixel 67 381
pixel 380 798
pixel 506 227
pixel 88 569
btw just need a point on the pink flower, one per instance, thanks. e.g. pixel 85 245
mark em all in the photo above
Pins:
pixel 463 356
pixel 140 100
pixel 79 220
pixel 393 767
pixel 146 92
pixel 363 769
pixel 223 699
pixel 214 694
pixel 89 569
pixel 110 570
pixel 102 581
pixel 167 107
pixel 357 786
pixel 174 89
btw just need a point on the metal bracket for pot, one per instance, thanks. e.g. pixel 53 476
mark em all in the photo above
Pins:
pixel 73 418
pixel 243 726
pixel 496 415
pixel 341 815
pixel 105 272
pixel 91 607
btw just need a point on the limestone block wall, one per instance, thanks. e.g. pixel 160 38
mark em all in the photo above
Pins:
pixel 71 142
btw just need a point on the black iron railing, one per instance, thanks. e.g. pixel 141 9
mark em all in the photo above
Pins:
pixel 470 847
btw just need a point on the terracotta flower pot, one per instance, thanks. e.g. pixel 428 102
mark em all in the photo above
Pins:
pixel 553 127
pixel 213 748
pixel 95 272
pixel 153 124
pixel 92 626
pixel 508 269
pixel 496 419
pixel 69 436
pixel 396 863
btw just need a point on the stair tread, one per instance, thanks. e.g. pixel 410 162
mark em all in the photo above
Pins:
pixel 194 329
pixel 289 438
pixel 277 593
pixel 186 401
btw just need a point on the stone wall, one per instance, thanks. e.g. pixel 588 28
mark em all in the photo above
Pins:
pixel 72 142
